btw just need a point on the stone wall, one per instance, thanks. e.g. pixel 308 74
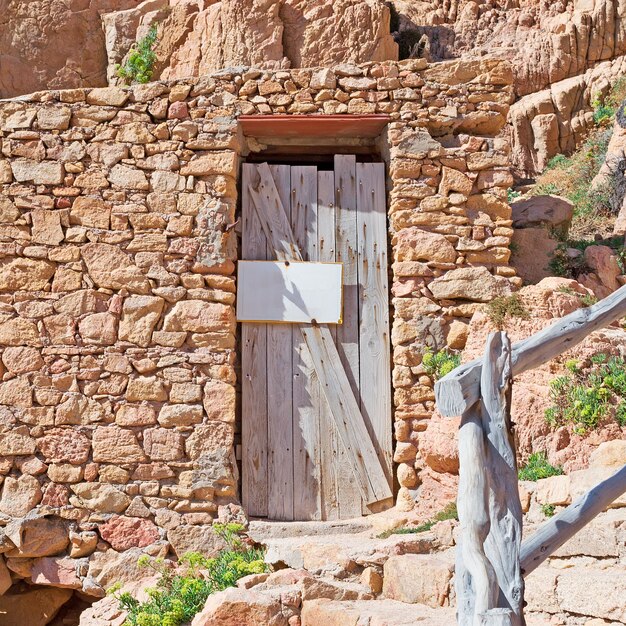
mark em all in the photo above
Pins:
pixel 117 326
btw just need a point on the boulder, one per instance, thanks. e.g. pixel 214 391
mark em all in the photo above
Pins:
pixel 415 244
pixel 417 579
pixel 139 317
pixel 35 607
pixel 438 444
pixel 112 444
pixel 20 274
pixel 379 613
pixel 100 497
pixel 20 495
pixel 201 539
pixel 554 491
pixel 605 269
pixel 60 445
pixel 532 252
pixel 37 536
pixel 111 268
pixel 241 607
pixel 548 212
pixel 56 572
pixel 609 454
pixel 110 567
pixel 599 595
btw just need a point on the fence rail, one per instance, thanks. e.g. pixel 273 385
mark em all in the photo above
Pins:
pixel 491 559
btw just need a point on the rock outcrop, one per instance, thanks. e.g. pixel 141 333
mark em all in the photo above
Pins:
pixel 54 44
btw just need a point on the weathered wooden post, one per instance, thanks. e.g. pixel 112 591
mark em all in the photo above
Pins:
pixel 488 578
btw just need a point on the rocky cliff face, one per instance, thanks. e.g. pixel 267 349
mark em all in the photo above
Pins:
pixel 53 44
pixel 60 44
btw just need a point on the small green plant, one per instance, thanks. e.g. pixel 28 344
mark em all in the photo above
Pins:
pixel 538 467
pixel 512 195
pixel 603 112
pixel 182 592
pixel 438 364
pixel 140 63
pixel 586 299
pixel 548 510
pixel 585 397
pixel 449 512
pixel 503 307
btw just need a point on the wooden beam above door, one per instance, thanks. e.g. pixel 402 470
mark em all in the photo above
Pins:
pixel 313 125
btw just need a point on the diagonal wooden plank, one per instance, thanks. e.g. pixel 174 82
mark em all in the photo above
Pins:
pixel 306 393
pixel 347 339
pixel 254 486
pixel 331 451
pixel 368 471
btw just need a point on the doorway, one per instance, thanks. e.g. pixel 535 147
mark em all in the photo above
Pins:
pixel 294 463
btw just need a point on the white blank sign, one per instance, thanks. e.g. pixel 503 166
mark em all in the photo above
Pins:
pixel 289 291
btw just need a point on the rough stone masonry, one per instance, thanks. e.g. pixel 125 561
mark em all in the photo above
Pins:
pixel 117 326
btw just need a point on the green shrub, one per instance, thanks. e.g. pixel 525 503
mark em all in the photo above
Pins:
pixel 438 364
pixel 140 63
pixel 571 177
pixel 538 467
pixel 503 307
pixel 567 267
pixel 449 512
pixel 180 594
pixel 548 510
pixel 603 113
pixel 585 398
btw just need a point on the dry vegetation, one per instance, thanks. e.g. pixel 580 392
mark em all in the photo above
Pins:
pixel 596 203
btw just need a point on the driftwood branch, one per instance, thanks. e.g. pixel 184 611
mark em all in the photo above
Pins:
pixel 502 545
pixel 459 390
pixel 490 514
pixel 555 532
pixel 496 617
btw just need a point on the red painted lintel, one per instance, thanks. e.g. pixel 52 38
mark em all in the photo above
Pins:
pixel 313 125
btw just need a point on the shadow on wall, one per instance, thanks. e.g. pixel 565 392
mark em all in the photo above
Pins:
pixel 435 43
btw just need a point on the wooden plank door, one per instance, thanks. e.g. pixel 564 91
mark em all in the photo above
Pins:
pixel 299 438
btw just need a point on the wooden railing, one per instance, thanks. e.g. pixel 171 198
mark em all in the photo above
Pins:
pixel 491 559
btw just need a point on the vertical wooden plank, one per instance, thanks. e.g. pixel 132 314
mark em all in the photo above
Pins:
pixel 306 393
pixel 374 347
pixel 279 400
pixel 348 332
pixel 253 372
pixel 330 444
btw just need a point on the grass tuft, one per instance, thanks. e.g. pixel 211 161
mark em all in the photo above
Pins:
pixel 538 467
pixel 449 512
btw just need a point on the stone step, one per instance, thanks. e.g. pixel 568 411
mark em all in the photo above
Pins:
pixel 337 555
pixel 262 530
pixel 373 613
